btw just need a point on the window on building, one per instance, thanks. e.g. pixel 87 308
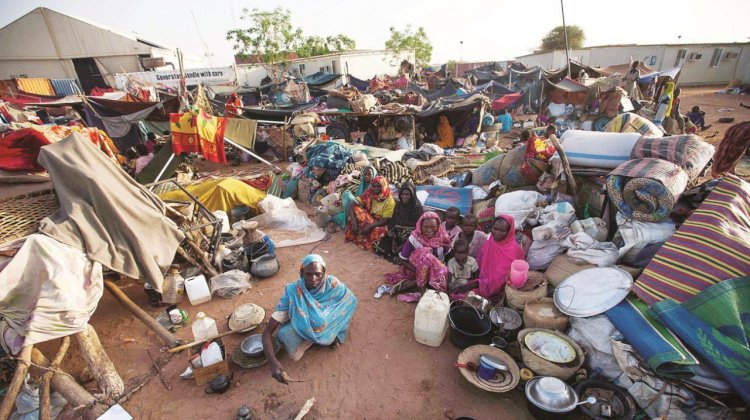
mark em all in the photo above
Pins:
pixel 333 66
pixel 718 52
pixel 302 69
pixel 652 61
pixel 681 54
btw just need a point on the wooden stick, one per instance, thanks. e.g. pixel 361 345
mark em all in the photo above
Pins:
pixel 71 390
pixel 169 339
pixel 44 397
pixel 158 371
pixel 305 409
pixel 15 384
pixel 195 343
pixel 101 366
pixel 202 257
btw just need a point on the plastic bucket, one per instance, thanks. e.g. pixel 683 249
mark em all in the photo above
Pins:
pixel 468 327
pixel 519 272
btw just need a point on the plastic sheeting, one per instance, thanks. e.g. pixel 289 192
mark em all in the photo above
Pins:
pixel 36 85
pixel 64 87
pixel 220 194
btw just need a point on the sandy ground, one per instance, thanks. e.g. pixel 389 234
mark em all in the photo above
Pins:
pixel 380 372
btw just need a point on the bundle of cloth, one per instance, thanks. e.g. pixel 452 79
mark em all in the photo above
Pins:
pixel 633 123
pixel 689 152
pixel 646 189
pixel 330 156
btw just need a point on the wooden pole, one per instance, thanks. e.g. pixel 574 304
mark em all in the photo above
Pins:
pixel 202 257
pixel 44 397
pixel 101 367
pixel 71 390
pixel 15 384
pixel 169 339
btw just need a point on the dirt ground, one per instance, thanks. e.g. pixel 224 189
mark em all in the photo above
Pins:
pixel 379 372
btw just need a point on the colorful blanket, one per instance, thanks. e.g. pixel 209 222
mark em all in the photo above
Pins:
pixel 711 246
pixel 198 132
pixel 445 197
pixel 646 189
pixel 689 152
pixel 715 325
pixel 661 349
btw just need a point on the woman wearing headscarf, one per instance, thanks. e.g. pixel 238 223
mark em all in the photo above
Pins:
pixel 495 257
pixel 664 107
pixel 422 257
pixel 404 220
pixel 631 78
pixel 369 214
pixel 347 198
pixel 314 310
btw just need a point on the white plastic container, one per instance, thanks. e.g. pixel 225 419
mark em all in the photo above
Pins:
pixel 204 327
pixel 431 318
pixel 197 290
pixel 221 214
pixel 173 288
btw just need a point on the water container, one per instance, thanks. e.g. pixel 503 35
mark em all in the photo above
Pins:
pixel 519 273
pixel 431 318
pixel 173 289
pixel 222 215
pixel 204 327
pixel 197 290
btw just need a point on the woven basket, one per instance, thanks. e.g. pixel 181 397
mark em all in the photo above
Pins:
pixel 544 367
pixel 516 298
pixel 544 314
pixel 20 215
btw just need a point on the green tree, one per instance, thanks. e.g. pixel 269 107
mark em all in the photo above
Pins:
pixel 555 39
pixel 408 40
pixel 315 45
pixel 270 37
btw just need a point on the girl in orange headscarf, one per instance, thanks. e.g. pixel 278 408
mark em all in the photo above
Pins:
pixel 370 213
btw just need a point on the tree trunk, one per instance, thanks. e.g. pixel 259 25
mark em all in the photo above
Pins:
pixel 71 390
pixel 101 367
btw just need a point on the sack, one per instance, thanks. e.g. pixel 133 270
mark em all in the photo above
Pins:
pixel 332 203
pixel 303 189
pixel 518 204
pixel 635 235
pixel 230 283
pixel 583 248
pixel 510 169
pixel 488 172
pixel 561 267
pixel 594 227
pixel 364 104
pixel 562 211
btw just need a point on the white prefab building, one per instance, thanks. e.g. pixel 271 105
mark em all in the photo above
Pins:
pixel 49 44
pixel 701 63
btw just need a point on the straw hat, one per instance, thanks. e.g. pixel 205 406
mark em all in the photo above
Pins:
pixel 246 317
pixel 499 383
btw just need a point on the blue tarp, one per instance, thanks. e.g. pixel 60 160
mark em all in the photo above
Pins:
pixel 360 84
pixel 320 78
pixel 445 197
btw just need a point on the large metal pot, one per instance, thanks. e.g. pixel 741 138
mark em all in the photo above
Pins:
pixel 468 326
pixel 265 266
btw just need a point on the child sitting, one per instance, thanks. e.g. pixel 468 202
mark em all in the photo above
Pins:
pixel 469 233
pixel 697 117
pixel 462 269
pixel 452 215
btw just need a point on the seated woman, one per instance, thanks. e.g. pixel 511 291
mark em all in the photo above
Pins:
pixel 495 257
pixel 347 198
pixel 369 214
pixel 422 257
pixel 405 215
pixel 314 310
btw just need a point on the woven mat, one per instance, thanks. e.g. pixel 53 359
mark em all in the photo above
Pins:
pixel 20 215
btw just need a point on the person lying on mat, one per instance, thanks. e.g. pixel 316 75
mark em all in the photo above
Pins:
pixel 314 310
pixel 423 257
pixel 369 214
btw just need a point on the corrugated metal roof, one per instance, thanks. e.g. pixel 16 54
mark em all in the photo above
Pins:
pixel 36 85
pixel 64 87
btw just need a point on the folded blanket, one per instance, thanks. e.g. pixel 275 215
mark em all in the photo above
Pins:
pixel 689 152
pixel 661 349
pixel 582 249
pixel 646 189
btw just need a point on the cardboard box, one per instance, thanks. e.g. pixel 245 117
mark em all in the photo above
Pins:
pixel 205 375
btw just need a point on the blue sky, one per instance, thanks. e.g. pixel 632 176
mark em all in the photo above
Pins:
pixel 490 29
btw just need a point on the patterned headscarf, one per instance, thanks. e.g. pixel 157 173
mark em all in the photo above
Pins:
pixel 311 258
pixel 369 194
pixel 441 238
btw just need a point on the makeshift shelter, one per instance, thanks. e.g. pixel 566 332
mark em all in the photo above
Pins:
pixel 220 194
pixel 567 91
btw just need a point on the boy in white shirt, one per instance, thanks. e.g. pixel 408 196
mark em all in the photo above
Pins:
pixel 463 270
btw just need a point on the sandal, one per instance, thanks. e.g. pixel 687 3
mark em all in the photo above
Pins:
pixel 382 289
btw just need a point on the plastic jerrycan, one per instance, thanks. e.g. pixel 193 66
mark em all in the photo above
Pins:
pixel 204 327
pixel 431 318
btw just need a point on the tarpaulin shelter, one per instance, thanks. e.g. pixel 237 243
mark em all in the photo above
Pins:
pixel 277 114
pixel 575 68
pixel 119 118
pixel 567 91
pixel 320 78
pixel 623 69
pixel 360 84
pixel 456 108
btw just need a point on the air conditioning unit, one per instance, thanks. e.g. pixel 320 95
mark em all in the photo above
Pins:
pixel 731 56
pixel 694 56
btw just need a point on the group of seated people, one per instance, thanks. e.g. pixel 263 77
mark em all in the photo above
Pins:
pixel 451 255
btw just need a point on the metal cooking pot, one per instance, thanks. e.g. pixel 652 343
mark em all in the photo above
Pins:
pixel 468 326
pixel 265 266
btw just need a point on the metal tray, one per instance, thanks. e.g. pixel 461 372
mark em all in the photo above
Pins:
pixel 593 291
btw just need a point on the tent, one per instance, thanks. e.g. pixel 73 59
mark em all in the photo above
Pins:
pixel 567 91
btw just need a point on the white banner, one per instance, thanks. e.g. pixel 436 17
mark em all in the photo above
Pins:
pixel 172 78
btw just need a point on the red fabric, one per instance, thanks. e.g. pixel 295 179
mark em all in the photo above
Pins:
pixel 19 150
pixel 97 91
pixel 186 137
pixel 262 183
pixel 505 101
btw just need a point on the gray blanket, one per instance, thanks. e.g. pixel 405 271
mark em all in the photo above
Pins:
pixel 106 213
